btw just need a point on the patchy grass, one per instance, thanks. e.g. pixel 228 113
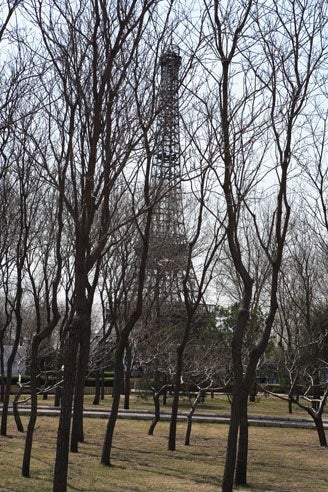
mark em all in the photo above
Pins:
pixel 280 460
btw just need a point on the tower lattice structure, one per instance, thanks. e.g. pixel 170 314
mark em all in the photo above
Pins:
pixel 169 246
pixel 166 165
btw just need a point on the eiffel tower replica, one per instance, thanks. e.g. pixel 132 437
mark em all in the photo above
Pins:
pixel 168 247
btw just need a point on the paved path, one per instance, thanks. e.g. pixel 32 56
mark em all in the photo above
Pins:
pixel 254 420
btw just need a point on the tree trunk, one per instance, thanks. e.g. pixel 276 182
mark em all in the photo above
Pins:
pixel 189 426
pixel 177 385
pixel 321 431
pixel 175 403
pixel 59 364
pixel 199 397
pixel 229 470
pixel 316 392
pixel 102 387
pixel 127 377
pixel 241 467
pixel 290 406
pixel 117 389
pixel 34 410
pixel 61 463
pixel 157 413
pixel 96 399
pixel 58 395
pixel 10 362
pixel 18 421
pixel 4 416
pixel 83 359
pixel 2 370
pixel 123 341
pixel 253 392
pixel 164 398
pixel 188 430
pixel 317 418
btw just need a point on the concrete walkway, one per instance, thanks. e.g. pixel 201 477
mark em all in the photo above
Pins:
pixel 262 421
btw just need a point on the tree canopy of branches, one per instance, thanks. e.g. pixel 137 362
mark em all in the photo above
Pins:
pixel 79 109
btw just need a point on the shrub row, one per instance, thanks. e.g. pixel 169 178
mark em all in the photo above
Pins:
pixel 89 381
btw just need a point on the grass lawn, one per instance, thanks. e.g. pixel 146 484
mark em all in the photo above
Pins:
pixel 280 460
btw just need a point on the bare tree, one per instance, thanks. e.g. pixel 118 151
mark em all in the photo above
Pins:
pixel 21 203
pixel 301 326
pixel 194 285
pixel 96 60
pixel 52 269
pixel 156 342
pixel 15 89
pixel 290 48
pixel 10 7
pixel 207 368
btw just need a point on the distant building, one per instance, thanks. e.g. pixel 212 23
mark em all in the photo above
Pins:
pixel 19 365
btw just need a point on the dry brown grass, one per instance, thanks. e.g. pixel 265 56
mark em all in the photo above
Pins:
pixel 280 460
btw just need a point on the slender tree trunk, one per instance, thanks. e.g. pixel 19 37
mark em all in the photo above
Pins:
pixel 102 386
pixel 10 362
pixel 117 389
pixel 127 377
pixel 317 418
pixel 316 392
pixel 61 464
pixel 18 421
pixel 29 440
pixel 157 413
pixel 175 403
pixel 58 395
pixel 242 456
pixel 321 431
pixel 157 407
pixel 188 430
pixel 2 370
pixel 190 416
pixel 229 470
pixel 96 399
pixel 5 406
pixel 58 389
pixel 178 374
pixel 83 359
pixel 124 339
pixel 34 408
pixel 253 392
pixel 164 398
pixel 290 406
